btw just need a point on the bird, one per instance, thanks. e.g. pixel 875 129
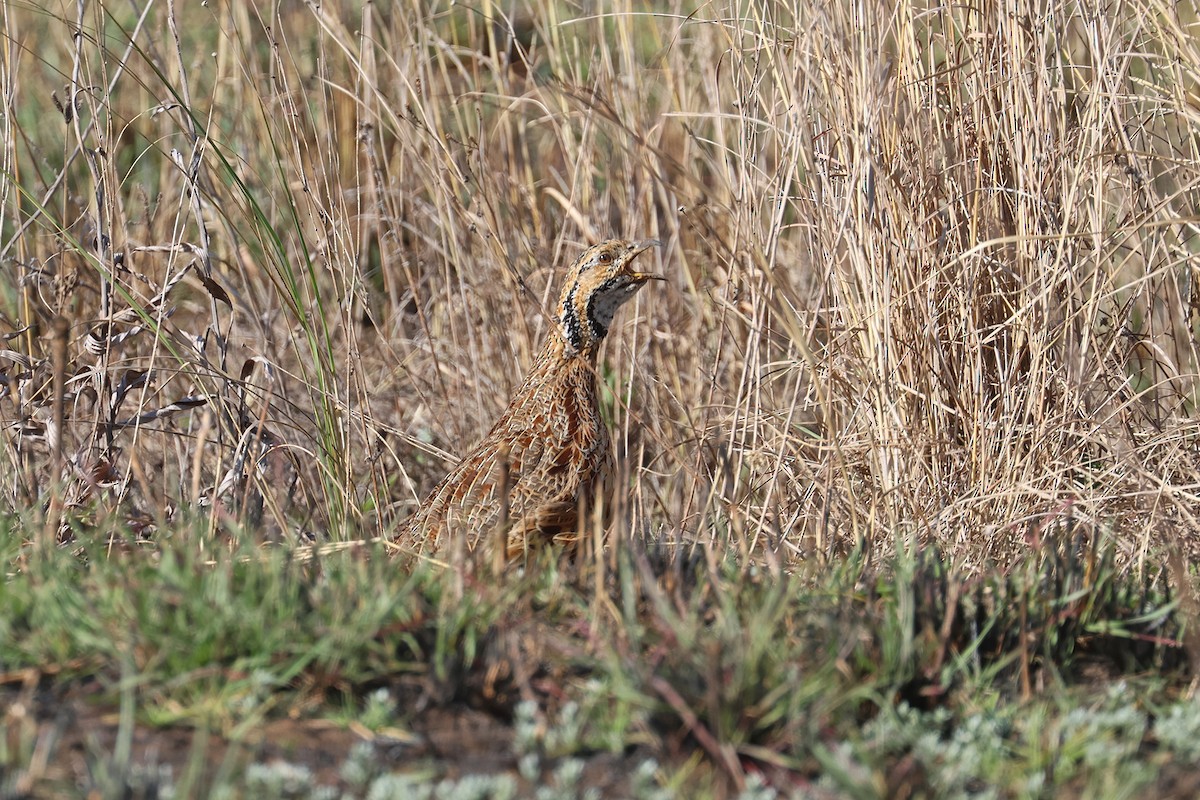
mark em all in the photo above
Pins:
pixel 550 450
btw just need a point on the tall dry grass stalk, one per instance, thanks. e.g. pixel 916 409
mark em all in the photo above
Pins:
pixel 932 267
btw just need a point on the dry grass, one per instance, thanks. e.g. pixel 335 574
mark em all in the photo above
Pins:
pixel 931 270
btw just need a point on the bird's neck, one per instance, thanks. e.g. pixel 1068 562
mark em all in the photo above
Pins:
pixel 580 328
pixel 560 348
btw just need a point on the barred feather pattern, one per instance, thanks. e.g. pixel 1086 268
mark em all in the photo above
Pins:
pixel 551 440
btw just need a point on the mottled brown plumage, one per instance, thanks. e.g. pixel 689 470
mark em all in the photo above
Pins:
pixel 551 438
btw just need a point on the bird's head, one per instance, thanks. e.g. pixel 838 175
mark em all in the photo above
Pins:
pixel 597 284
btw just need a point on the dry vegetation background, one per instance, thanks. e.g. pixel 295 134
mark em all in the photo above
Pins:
pixel 932 268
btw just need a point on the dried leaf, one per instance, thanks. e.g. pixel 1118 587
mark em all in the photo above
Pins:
pixel 185 404
pixel 214 289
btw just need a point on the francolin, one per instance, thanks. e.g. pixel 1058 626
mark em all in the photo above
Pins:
pixel 549 450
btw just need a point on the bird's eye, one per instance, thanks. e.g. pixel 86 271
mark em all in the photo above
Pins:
pixel 605 258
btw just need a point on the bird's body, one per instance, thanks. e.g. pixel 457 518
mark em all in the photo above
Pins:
pixel 549 451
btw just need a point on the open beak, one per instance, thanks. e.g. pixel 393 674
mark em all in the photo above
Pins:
pixel 638 248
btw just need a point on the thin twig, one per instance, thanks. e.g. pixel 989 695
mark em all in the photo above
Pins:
pixel 724 755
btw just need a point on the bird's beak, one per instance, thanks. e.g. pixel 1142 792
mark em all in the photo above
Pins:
pixel 638 248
